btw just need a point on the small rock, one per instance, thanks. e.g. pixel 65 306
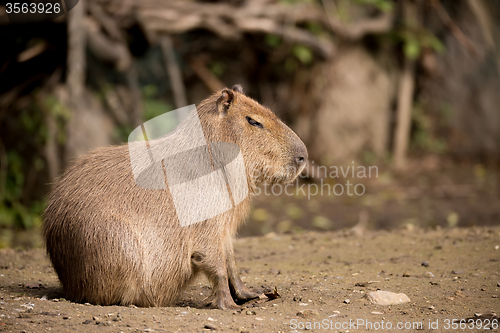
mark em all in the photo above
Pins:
pixel 210 327
pixel 104 323
pixel 457 272
pixel 66 317
pixel 250 312
pixel 425 264
pixel 243 330
pixel 429 274
pixel 377 313
pixel 380 297
pixel 297 299
pixel 87 322
pixel 307 313
pixel 32 285
pixel 498 284
pixel 347 301
pixel 406 274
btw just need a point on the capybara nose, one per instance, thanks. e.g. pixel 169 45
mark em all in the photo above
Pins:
pixel 300 155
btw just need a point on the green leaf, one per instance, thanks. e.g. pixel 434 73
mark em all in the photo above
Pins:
pixel 412 48
pixel 272 40
pixel 149 91
pixel 383 5
pixel 303 53
pixel 154 108
pixel 218 68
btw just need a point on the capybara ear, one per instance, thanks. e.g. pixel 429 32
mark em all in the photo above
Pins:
pixel 225 101
pixel 238 88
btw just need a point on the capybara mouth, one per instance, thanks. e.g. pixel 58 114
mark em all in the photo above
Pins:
pixel 289 175
pixel 299 171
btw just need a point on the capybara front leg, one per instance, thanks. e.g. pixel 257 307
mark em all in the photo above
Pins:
pixel 238 289
pixel 216 271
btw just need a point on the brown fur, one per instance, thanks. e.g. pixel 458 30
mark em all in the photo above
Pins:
pixel 112 242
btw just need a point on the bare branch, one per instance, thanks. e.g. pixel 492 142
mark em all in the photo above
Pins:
pixel 199 67
pixel 106 49
pixel 358 30
pixel 174 72
pixel 455 30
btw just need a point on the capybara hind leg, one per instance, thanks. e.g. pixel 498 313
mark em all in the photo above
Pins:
pixel 238 289
pixel 214 267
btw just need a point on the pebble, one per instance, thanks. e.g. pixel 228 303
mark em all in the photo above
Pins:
pixel 243 330
pixel 251 312
pixel 347 301
pixel 380 297
pixel 210 327
pixel 307 313
pixel 425 264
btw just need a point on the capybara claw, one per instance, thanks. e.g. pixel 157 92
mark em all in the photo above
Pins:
pixel 225 303
pixel 247 294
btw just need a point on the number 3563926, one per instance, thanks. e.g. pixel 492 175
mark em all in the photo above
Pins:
pixel 471 324
pixel 32 8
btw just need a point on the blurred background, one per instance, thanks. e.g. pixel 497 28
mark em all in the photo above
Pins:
pixel 411 87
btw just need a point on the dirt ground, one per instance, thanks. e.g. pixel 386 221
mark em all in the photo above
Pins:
pixel 322 278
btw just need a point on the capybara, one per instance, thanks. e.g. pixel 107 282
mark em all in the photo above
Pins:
pixel 113 242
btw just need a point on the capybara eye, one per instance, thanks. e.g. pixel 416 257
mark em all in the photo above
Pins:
pixel 254 122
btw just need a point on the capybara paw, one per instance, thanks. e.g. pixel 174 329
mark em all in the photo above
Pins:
pixel 245 294
pixel 225 303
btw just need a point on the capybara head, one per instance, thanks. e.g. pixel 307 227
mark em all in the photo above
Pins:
pixel 271 150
